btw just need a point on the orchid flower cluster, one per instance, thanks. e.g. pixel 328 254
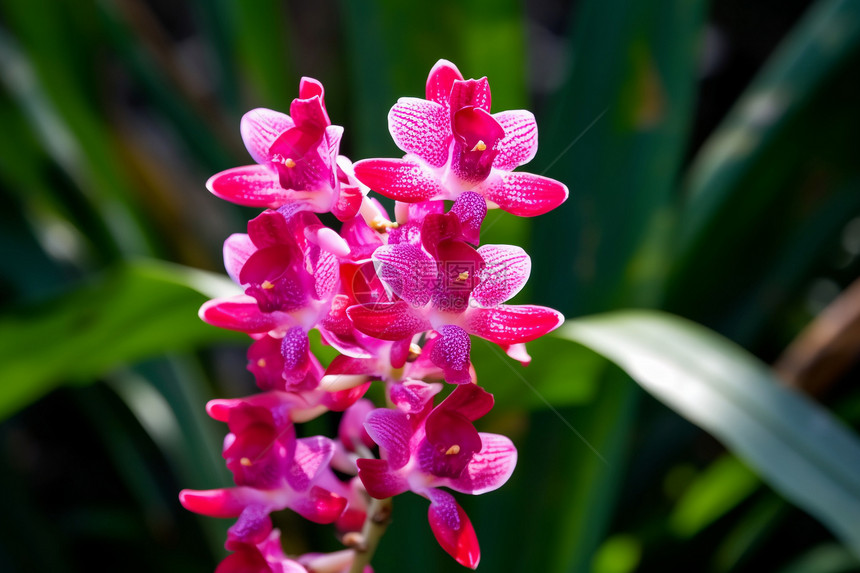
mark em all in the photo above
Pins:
pixel 398 299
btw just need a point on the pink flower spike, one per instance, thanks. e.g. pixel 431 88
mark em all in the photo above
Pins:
pixel 452 528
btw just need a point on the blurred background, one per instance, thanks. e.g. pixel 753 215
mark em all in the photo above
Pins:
pixel 711 150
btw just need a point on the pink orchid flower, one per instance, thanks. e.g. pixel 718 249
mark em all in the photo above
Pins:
pixel 272 469
pixel 297 160
pixel 424 451
pixel 453 144
pixel 443 283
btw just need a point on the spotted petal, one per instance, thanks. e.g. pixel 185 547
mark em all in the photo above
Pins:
pixel 260 128
pixel 512 324
pixel 452 528
pixel 251 186
pixel 506 272
pixel 394 321
pixel 400 179
pixel 421 127
pixel 524 194
pixel 520 142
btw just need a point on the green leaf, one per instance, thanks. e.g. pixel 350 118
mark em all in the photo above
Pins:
pixel 794 444
pixel 775 179
pixel 616 139
pixel 137 310
pixel 714 492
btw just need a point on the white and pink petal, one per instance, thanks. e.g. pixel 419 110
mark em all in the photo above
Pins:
pixel 523 194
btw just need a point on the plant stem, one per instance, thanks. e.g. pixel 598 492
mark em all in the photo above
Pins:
pixel 378 518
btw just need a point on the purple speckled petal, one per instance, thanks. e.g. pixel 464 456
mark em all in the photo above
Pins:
pixel 295 347
pixel 520 143
pixel 260 128
pixel 524 194
pixel 311 457
pixel 470 208
pixel 400 179
pixel 421 127
pixel 407 270
pixel 413 396
pixel 489 468
pixel 451 354
pixel 507 270
pixel 392 431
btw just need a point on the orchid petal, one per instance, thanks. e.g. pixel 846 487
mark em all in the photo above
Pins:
pixel 318 505
pixel 470 208
pixel 252 527
pixel 506 272
pixel 399 179
pixel 421 127
pixel 251 186
pixel 440 81
pixel 474 93
pixel 468 400
pixel 408 271
pixel 340 400
pixel 311 456
pixel 520 142
pixel 378 480
pixel 451 354
pixel 512 324
pixel 413 396
pixel 452 528
pixel 240 313
pixel 225 502
pixel 489 468
pixel 394 321
pixel 392 430
pixel 260 128
pixel 351 431
pixel 237 248
pixel 524 194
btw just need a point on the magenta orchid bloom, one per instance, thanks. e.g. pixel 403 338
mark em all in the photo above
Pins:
pixel 398 300
pixel 444 284
pixel 297 160
pixel 272 469
pixel 453 144
pixel 423 451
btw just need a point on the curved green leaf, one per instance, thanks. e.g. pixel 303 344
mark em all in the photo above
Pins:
pixel 138 310
pixel 797 446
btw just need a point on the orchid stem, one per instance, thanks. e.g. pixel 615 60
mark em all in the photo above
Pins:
pixel 378 518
